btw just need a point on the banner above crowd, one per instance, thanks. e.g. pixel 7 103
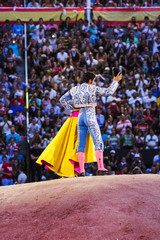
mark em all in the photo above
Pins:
pixel 111 15
pixel 124 15
pixel 12 14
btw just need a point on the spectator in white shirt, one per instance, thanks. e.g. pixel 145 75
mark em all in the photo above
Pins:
pixel 54 106
pixel 59 77
pixel 156 45
pixel 151 140
pixel 119 44
pixel 52 93
pixel 149 99
pixel 134 99
pixel 62 56
pixel 110 99
pixel 92 62
pixel 119 30
pixel 40 40
pixel 50 89
pixel 144 91
pixel 33 127
pixel 131 45
pixel 130 90
pixel 85 26
pixel 40 28
pixel 141 81
pixel 151 33
pixel 145 25
pixel 22 177
pixel 5 125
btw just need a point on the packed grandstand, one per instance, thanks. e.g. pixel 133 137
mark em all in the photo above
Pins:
pixel 57 56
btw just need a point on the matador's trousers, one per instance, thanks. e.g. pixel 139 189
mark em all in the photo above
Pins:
pixel 87 122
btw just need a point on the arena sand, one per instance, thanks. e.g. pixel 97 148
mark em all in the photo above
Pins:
pixel 125 207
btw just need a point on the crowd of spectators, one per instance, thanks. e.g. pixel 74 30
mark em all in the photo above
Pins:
pixel 79 3
pixel 58 55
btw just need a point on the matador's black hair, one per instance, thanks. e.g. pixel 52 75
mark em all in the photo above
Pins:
pixel 87 76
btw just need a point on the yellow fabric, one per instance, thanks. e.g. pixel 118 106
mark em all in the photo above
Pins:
pixel 35 13
pixel 63 147
pixel 125 14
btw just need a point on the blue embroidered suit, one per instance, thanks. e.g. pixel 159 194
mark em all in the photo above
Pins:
pixel 85 97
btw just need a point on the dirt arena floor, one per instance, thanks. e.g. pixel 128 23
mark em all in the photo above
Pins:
pixel 91 208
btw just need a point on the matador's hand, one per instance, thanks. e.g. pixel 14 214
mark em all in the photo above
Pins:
pixel 118 77
pixel 76 110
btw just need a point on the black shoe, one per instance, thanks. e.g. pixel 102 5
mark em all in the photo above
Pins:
pixel 81 174
pixel 104 172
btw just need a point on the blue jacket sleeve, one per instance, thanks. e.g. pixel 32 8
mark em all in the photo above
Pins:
pixel 67 102
pixel 107 91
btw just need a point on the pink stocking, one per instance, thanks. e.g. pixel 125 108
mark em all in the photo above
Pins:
pixel 81 157
pixel 99 156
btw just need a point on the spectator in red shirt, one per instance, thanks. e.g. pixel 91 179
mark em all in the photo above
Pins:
pixel 148 116
pixel 7 169
pixel 19 99
pixel 115 109
pixel 143 126
pixel 20 121
pixel 122 124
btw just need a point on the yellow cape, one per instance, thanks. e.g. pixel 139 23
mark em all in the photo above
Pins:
pixel 63 148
